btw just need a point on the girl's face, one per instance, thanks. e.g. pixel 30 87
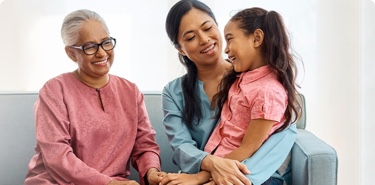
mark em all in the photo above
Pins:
pixel 96 65
pixel 242 50
pixel 199 38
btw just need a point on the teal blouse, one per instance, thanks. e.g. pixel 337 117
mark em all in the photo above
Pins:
pixel 188 144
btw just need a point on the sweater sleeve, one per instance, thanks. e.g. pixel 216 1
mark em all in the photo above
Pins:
pixel 53 140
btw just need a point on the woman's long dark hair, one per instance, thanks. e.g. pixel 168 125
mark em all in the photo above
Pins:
pixel 276 49
pixel 192 108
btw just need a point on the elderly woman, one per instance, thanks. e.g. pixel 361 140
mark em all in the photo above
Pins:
pixel 90 124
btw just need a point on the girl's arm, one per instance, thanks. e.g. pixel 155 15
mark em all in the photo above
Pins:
pixel 273 152
pixel 186 179
pixel 269 157
pixel 261 165
pixel 256 133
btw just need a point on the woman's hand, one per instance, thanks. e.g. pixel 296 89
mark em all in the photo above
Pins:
pixel 226 171
pixel 182 179
pixel 210 183
pixel 154 176
pixel 129 182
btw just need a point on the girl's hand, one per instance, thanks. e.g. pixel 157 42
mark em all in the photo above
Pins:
pixel 226 171
pixel 180 179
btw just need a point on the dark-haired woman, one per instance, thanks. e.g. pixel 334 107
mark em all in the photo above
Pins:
pixel 189 115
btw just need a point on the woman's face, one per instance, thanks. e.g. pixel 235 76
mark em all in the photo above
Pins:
pixel 199 38
pixel 96 65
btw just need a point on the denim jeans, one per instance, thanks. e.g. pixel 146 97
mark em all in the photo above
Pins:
pixel 273 181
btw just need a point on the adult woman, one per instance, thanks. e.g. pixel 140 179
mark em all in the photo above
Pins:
pixel 192 28
pixel 87 119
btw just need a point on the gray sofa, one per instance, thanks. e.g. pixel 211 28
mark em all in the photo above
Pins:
pixel 313 161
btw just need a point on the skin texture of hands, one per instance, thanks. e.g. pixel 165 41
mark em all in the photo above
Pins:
pixel 185 179
pixel 213 183
pixel 130 182
pixel 154 176
pixel 226 171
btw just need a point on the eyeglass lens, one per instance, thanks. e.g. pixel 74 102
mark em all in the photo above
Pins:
pixel 92 48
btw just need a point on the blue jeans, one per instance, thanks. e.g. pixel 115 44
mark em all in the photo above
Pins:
pixel 273 181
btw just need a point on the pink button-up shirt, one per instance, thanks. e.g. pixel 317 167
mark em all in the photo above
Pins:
pixel 255 94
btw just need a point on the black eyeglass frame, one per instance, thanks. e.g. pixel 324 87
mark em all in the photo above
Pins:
pixel 97 46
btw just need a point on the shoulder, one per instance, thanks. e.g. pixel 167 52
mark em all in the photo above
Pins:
pixel 272 85
pixel 58 82
pixel 172 92
pixel 174 83
pixel 273 91
pixel 173 87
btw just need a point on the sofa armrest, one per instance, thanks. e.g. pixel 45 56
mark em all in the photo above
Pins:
pixel 313 161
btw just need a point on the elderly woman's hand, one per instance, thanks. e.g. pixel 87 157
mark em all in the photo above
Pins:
pixel 154 176
pixel 129 182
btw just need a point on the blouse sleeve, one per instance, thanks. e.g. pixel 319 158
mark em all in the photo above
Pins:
pixel 53 139
pixel 145 154
pixel 270 155
pixel 186 154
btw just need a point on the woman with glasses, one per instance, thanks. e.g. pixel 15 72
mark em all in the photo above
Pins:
pixel 89 123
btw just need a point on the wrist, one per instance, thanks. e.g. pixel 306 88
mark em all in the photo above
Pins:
pixel 207 162
pixel 151 170
pixel 202 177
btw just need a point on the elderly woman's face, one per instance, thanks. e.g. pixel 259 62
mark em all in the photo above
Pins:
pixel 98 64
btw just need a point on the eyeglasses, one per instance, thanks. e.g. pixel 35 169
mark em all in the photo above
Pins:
pixel 91 48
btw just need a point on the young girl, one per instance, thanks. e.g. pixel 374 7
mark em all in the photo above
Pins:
pixel 258 96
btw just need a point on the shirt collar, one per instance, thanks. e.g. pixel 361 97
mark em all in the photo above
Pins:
pixel 253 75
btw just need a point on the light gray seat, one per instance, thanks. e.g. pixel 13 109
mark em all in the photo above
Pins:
pixel 313 162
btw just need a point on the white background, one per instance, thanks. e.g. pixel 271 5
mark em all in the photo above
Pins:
pixel 336 40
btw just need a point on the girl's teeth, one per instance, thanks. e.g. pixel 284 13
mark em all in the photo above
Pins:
pixel 100 62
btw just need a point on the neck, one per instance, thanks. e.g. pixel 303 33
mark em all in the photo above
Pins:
pixel 90 81
pixel 213 72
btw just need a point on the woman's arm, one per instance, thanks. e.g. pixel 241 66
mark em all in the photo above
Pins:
pixel 269 157
pixel 261 165
pixel 186 154
pixel 264 162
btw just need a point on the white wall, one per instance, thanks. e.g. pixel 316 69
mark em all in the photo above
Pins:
pixel 335 39
pixel 335 116
pixel 367 56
